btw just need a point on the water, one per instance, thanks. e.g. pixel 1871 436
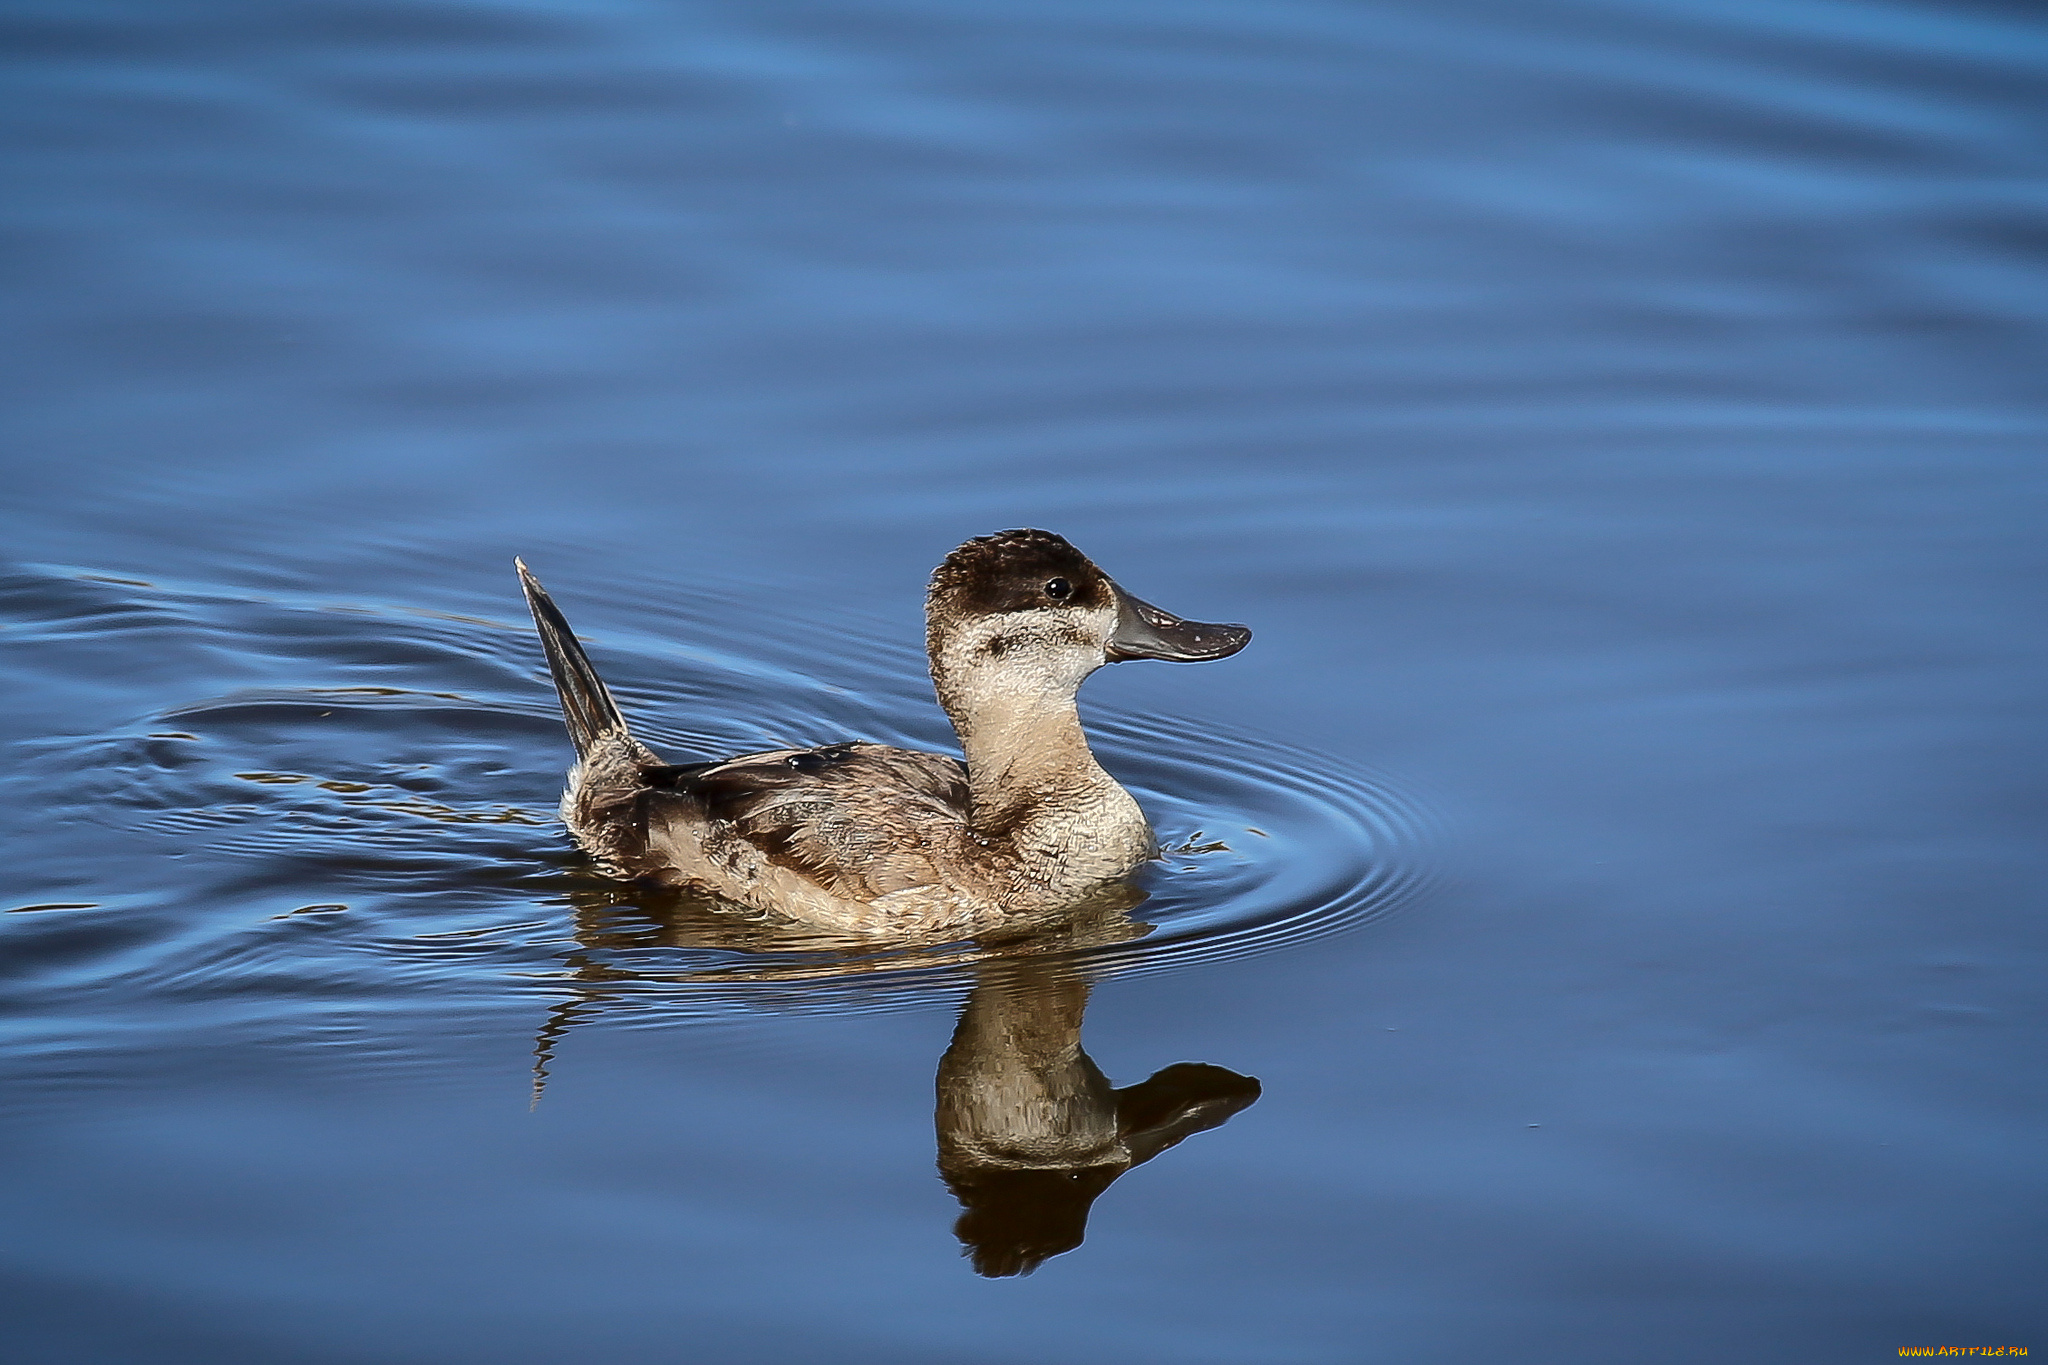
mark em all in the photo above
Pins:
pixel 1619 423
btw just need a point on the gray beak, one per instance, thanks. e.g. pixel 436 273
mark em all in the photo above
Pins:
pixel 1143 631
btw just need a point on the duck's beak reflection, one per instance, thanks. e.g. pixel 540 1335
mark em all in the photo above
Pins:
pixel 1143 631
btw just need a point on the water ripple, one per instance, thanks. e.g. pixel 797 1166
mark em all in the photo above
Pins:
pixel 370 833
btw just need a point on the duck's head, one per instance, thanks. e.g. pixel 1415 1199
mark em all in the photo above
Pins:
pixel 1028 607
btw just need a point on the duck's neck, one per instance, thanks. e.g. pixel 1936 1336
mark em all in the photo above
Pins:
pixel 1032 779
pixel 1022 747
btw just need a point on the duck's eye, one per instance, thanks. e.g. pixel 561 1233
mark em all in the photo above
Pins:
pixel 1059 589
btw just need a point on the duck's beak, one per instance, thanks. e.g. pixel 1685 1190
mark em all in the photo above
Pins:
pixel 1143 631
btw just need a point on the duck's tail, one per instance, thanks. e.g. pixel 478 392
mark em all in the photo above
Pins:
pixel 587 705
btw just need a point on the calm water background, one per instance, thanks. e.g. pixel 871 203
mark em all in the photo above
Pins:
pixel 1621 423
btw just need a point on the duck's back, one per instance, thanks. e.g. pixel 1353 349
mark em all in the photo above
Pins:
pixel 857 823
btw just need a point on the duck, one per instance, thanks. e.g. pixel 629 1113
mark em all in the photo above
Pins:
pixel 873 841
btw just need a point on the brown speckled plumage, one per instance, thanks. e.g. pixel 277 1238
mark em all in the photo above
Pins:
pixel 874 840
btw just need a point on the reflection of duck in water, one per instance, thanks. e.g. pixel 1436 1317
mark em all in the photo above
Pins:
pixel 1030 1131
pixel 874 840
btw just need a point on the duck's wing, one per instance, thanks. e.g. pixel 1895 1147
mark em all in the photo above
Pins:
pixel 860 820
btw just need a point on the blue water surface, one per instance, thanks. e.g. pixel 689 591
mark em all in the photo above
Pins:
pixel 1620 420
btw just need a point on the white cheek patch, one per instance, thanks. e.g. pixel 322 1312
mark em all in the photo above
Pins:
pixel 1047 635
pixel 1101 624
pixel 1039 651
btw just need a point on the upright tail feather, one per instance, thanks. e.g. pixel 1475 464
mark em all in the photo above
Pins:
pixel 587 705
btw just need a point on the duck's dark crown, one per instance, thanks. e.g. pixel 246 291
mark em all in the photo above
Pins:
pixel 1008 571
